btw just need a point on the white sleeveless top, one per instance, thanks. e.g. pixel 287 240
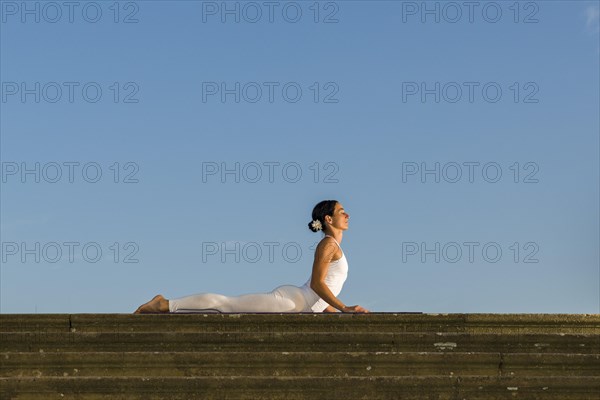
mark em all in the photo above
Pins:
pixel 335 278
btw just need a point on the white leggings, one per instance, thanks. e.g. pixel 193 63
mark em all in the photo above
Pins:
pixel 285 298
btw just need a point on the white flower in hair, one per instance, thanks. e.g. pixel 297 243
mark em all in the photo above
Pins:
pixel 316 224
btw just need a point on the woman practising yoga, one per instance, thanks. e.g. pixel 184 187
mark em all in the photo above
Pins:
pixel 318 294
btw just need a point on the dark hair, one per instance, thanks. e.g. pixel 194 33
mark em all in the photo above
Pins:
pixel 326 207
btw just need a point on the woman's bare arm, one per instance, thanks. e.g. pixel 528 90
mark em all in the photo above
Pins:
pixel 323 256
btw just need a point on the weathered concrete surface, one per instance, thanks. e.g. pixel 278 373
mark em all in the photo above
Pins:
pixel 300 356
pixel 412 388
pixel 304 322
pixel 295 364
pixel 301 341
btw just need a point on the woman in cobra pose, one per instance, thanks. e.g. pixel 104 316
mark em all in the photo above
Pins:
pixel 318 294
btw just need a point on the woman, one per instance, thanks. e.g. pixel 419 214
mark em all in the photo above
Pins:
pixel 318 294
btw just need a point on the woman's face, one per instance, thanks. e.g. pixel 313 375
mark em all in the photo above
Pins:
pixel 340 217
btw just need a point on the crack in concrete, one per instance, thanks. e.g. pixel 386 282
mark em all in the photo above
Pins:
pixel 501 365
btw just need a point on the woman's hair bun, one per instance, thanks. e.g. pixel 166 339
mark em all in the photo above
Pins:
pixel 325 207
pixel 315 225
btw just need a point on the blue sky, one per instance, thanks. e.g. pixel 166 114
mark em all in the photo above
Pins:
pixel 337 100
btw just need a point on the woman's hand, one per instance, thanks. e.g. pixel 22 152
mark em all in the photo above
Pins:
pixel 355 309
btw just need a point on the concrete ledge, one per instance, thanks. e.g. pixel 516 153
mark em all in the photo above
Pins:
pixel 300 341
pixel 300 356
pixel 405 388
pixel 304 322
pixel 187 364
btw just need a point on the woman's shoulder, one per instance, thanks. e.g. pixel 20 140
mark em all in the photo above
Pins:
pixel 329 248
pixel 326 242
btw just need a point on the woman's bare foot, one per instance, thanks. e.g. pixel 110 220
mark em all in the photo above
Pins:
pixel 158 304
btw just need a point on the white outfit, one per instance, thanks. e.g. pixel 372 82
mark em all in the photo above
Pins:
pixel 285 298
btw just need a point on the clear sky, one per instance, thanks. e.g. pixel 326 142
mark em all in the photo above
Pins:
pixel 178 147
